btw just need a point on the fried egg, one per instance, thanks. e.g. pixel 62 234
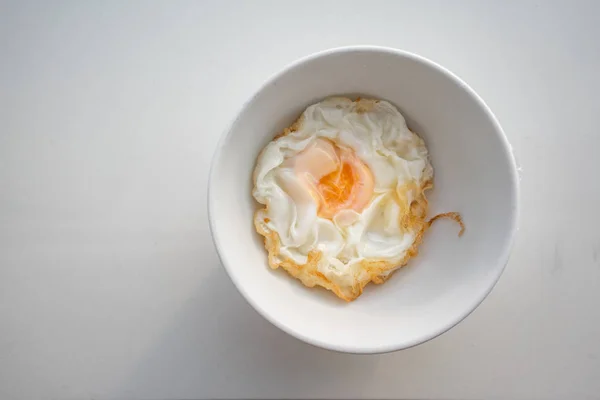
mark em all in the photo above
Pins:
pixel 343 195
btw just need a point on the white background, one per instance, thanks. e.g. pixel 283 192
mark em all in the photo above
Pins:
pixel 110 287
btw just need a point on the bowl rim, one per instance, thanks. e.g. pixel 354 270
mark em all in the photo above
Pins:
pixel 358 348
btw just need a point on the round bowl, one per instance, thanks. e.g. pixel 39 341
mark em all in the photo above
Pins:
pixel 475 174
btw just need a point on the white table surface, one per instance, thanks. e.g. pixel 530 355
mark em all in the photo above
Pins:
pixel 110 287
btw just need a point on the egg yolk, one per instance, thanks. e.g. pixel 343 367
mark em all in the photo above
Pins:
pixel 335 177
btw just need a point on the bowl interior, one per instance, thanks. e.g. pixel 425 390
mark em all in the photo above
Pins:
pixel 474 175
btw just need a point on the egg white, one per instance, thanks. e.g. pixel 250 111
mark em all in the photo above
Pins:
pixel 345 253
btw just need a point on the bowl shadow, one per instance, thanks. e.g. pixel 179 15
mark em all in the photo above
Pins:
pixel 217 346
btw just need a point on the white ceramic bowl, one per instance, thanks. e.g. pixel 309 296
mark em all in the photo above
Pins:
pixel 475 174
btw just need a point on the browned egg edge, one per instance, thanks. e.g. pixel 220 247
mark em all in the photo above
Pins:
pixel 413 218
